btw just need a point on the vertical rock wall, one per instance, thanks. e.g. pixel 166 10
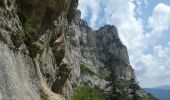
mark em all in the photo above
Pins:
pixel 32 48
pixel 47 51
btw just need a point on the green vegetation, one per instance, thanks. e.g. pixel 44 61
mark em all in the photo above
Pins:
pixel 101 75
pixel 31 37
pixel 119 86
pixel 2 39
pixel 44 97
pixel 11 14
pixel 87 93
pixel 85 70
pixel 150 97
pixel 113 60
pixel 17 38
pixel 119 89
pixel 35 48
pixel 28 27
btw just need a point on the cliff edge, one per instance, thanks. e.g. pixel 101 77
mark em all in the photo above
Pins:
pixel 47 52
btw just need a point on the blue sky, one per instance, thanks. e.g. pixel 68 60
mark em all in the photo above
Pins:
pixel 144 27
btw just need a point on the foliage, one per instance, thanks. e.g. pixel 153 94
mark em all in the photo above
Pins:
pixel 35 48
pixel 28 27
pixel 17 38
pixel 2 39
pixel 113 60
pixel 11 14
pixel 119 89
pixel 150 97
pixel 119 86
pixel 87 93
pixel 102 75
pixel 44 97
pixel 85 70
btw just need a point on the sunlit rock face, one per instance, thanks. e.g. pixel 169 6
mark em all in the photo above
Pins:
pixel 104 55
pixel 47 51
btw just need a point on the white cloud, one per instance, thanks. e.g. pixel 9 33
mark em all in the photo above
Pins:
pixel 169 43
pixel 122 14
pixel 155 67
pixel 83 6
pixel 154 64
pixel 93 7
pixel 161 52
pixel 151 61
pixel 140 5
pixel 160 20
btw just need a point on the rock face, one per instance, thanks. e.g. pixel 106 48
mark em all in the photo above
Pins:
pixel 47 51
pixel 105 58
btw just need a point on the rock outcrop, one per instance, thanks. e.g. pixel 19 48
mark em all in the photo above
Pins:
pixel 47 51
pixel 99 58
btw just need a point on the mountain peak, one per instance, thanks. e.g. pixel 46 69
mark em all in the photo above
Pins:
pixel 47 52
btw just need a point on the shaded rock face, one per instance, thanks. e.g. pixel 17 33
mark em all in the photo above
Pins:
pixel 32 48
pixel 46 51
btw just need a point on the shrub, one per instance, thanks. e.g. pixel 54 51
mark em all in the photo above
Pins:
pixel 44 97
pixel 35 48
pixel 121 84
pixel 85 70
pixel 87 93
pixel 17 38
pixel 2 39
pixel 28 27
pixel 150 97
pixel 119 89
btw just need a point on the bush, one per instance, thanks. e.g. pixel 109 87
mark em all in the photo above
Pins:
pixel 121 84
pixel 150 97
pixel 85 70
pixel 17 38
pixel 2 39
pixel 28 27
pixel 44 97
pixel 35 48
pixel 87 93
pixel 119 89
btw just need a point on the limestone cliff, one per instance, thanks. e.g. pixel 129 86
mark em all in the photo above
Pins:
pixel 100 60
pixel 47 52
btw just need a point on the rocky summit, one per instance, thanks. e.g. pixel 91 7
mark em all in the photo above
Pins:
pixel 47 52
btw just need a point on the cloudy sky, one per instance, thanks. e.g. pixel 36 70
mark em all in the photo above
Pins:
pixel 144 27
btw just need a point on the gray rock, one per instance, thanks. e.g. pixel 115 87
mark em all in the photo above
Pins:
pixel 45 46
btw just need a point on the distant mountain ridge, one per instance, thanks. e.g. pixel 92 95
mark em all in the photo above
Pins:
pixel 161 92
pixel 163 87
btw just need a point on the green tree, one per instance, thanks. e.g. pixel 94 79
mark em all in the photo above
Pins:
pixel 87 93
pixel 118 86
